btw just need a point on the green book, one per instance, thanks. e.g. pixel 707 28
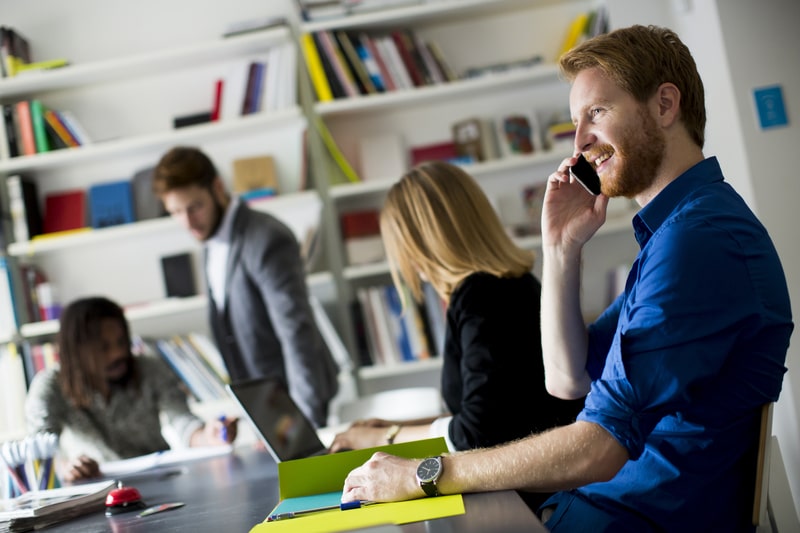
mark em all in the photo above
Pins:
pixel 39 128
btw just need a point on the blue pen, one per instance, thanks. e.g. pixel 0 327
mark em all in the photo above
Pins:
pixel 224 432
pixel 292 514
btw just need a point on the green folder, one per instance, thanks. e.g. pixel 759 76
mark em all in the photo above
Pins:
pixel 316 482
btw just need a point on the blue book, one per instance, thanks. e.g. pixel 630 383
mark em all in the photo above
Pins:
pixel 398 325
pixel 111 204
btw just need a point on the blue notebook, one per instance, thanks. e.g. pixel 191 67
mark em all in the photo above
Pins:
pixel 110 204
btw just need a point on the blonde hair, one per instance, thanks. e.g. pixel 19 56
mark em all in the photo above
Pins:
pixel 436 221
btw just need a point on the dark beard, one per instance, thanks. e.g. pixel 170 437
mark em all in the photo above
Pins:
pixel 641 152
pixel 123 380
pixel 219 213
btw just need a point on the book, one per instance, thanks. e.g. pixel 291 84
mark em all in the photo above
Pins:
pixel 192 120
pixel 574 33
pixel 12 394
pixel 330 49
pixel 209 351
pixel 251 173
pixel 14 51
pixel 25 123
pixel 383 68
pixel 52 119
pixel 145 202
pixel 178 272
pixel 8 310
pixel 252 96
pixel 282 78
pixel 5 148
pixel 444 66
pixel 474 138
pixel 369 62
pixel 74 127
pixel 11 129
pixel 64 211
pixel 217 101
pixel 315 69
pixel 234 89
pixel 362 237
pixel 354 62
pixel 430 64
pixel 403 46
pixel 441 151
pixel 388 50
pixel 516 135
pixel 41 66
pixel 39 509
pixel 31 277
pixel 23 203
pixel 337 89
pixel 110 204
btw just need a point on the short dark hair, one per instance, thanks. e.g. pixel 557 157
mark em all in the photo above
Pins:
pixel 183 166
pixel 639 59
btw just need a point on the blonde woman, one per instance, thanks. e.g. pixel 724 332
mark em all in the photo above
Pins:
pixel 438 226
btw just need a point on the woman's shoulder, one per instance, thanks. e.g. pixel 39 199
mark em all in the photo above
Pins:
pixel 484 289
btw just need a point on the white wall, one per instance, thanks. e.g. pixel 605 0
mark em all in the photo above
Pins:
pixel 740 45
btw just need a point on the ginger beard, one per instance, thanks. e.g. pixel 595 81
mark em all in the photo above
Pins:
pixel 637 157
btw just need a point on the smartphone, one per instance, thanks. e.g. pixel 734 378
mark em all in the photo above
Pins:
pixel 584 173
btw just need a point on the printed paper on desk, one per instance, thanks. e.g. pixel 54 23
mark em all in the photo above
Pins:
pixel 303 480
pixel 160 459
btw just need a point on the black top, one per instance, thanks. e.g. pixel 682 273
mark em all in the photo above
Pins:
pixel 493 375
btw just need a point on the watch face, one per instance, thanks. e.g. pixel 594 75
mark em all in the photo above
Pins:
pixel 428 469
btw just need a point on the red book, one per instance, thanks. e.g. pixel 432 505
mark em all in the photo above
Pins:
pixel 360 224
pixel 26 136
pixel 217 100
pixel 64 211
pixel 402 44
pixel 444 151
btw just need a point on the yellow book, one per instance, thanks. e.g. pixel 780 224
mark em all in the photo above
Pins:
pixel 315 70
pixel 336 153
pixel 576 29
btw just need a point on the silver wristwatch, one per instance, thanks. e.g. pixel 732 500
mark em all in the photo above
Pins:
pixel 428 473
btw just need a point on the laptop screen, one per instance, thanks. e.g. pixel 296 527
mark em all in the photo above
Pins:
pixel 287 433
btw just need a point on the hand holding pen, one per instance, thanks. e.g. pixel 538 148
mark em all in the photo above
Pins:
pixel 228 428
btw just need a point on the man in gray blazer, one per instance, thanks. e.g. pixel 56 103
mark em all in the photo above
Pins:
pixel 258 308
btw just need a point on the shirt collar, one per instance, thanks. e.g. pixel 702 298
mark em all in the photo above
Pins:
pixel 651 216
pixel 225 230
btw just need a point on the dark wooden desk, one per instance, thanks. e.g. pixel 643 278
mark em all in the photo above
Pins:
pixel 233 493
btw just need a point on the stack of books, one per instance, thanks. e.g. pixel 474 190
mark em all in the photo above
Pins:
pixel 345 64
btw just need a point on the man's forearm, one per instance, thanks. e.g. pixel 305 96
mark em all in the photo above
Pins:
pixel 564 342
pixel 559 459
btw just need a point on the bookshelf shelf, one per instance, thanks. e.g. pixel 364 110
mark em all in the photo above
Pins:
pixel 395 369
pixel 168 307
pixel 140 65
pixel 92 237
pixel 420 12
pixel 615 223
pixel 543 73
pixel 128 145
pixel 478 170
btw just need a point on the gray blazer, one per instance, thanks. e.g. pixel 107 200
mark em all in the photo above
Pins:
pixel 267 327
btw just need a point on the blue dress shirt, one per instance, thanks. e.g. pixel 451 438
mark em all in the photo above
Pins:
pixel 682 362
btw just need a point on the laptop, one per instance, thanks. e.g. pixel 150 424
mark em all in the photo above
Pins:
pixel 281 425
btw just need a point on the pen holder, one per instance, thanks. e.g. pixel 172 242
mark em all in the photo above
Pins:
pixel 29 465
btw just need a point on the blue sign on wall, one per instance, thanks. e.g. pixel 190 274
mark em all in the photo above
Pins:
pixel 770 108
